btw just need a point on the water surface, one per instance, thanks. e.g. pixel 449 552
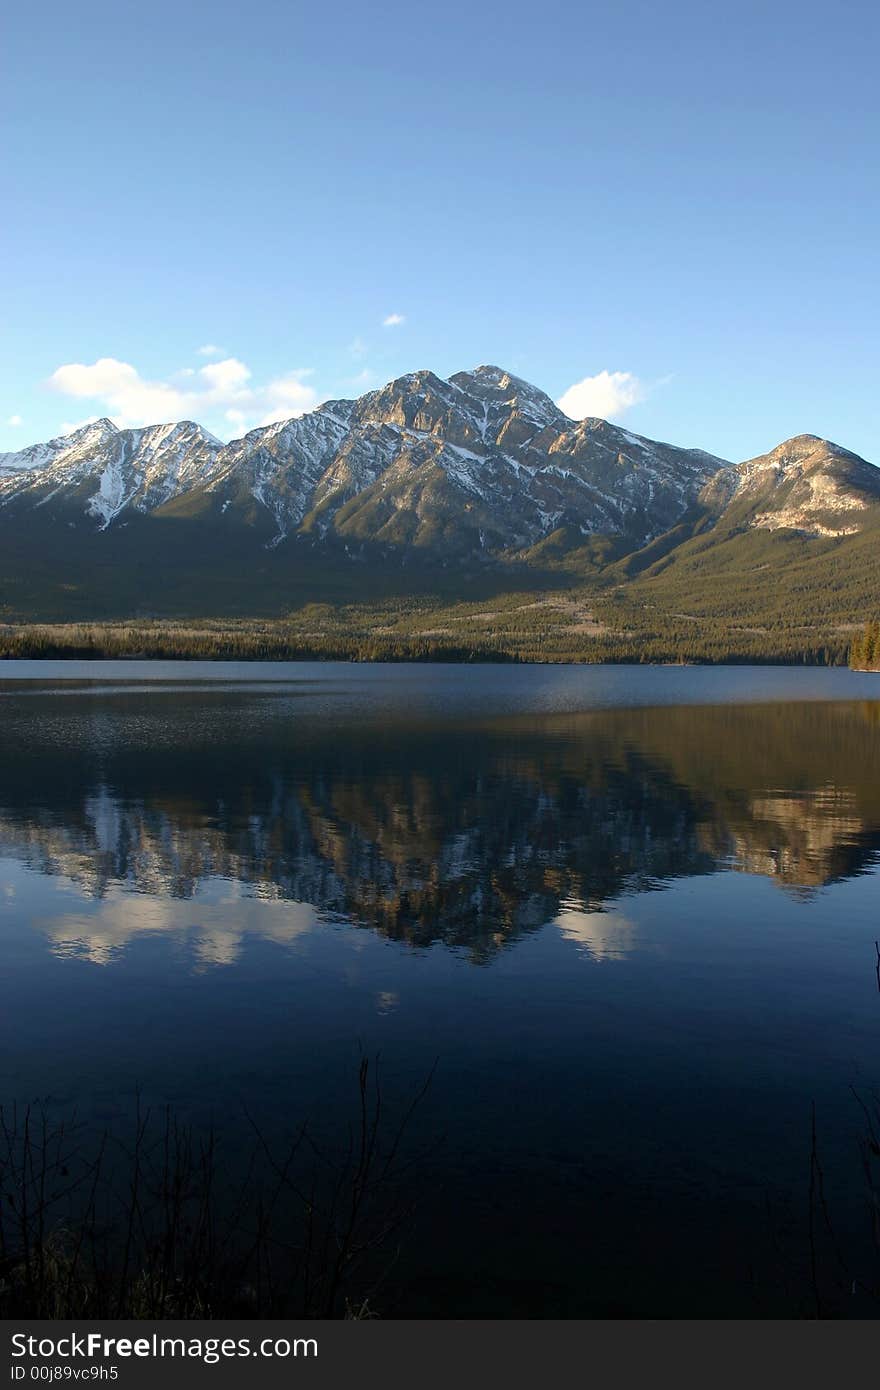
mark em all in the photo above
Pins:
pixel 630 912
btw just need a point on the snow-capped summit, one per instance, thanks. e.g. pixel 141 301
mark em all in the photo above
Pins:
pixel 499 390
pixel 110 469
pixel 479 464
pixel 82 443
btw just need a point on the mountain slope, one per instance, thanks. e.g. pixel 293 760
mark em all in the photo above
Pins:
pixel 482 463
pixel 101 471
pixel 433 491
pixel 806 484
pixel 790 539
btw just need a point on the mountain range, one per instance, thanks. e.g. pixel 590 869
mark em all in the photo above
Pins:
pixel 423 485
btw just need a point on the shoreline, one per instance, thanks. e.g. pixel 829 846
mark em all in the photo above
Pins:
pixel 268 646
pixel 418 659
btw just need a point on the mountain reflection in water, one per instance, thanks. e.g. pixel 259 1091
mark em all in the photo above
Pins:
pixel 224 814
pixel 631 941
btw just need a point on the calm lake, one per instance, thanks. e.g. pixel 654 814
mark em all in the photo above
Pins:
pixel 629 913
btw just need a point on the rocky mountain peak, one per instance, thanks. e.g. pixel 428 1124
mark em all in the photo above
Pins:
pixel 801 449
pixel 88 438
pixel 805 452
pixel 94 429
pixel 497 388
pixel 806 484
pixel 482 464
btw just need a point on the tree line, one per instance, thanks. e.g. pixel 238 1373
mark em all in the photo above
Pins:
pixel 653 639
pixel 864 652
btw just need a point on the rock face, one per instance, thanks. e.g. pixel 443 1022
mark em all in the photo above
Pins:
pixel 108 469
pixel 482 467
pixel 806 484
pixel 481 463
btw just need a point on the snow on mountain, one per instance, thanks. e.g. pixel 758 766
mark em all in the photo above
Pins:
pixel 504 396
pixel 66 449
pixel 280 465
pixel 482 462
pixel 112 468
pixel 805 484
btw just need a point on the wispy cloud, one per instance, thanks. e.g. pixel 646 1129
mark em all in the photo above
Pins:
pixel 15 421
pixel 219 391
pixel 607 394
pixel 211 350
pixel 394 320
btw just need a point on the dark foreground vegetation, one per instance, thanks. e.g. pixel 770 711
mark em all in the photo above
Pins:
pixel 158 1225
pixel 155 1226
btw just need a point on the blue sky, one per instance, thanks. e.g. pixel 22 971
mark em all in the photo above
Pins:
pixel 678 204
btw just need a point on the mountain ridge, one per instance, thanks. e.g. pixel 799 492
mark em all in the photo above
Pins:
pixel 491 435
pixel 426 486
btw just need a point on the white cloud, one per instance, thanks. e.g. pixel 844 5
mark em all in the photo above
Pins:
pixel 219 390
pixel 607 394
pixel 211 350
pixel 358 348
pixel 15 421
pixel 101 378
pixel 394 320
pixel 228 375
pixel 288 396
pixel 123 394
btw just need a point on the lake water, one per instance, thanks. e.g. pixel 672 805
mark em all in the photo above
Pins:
pixel 629 913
